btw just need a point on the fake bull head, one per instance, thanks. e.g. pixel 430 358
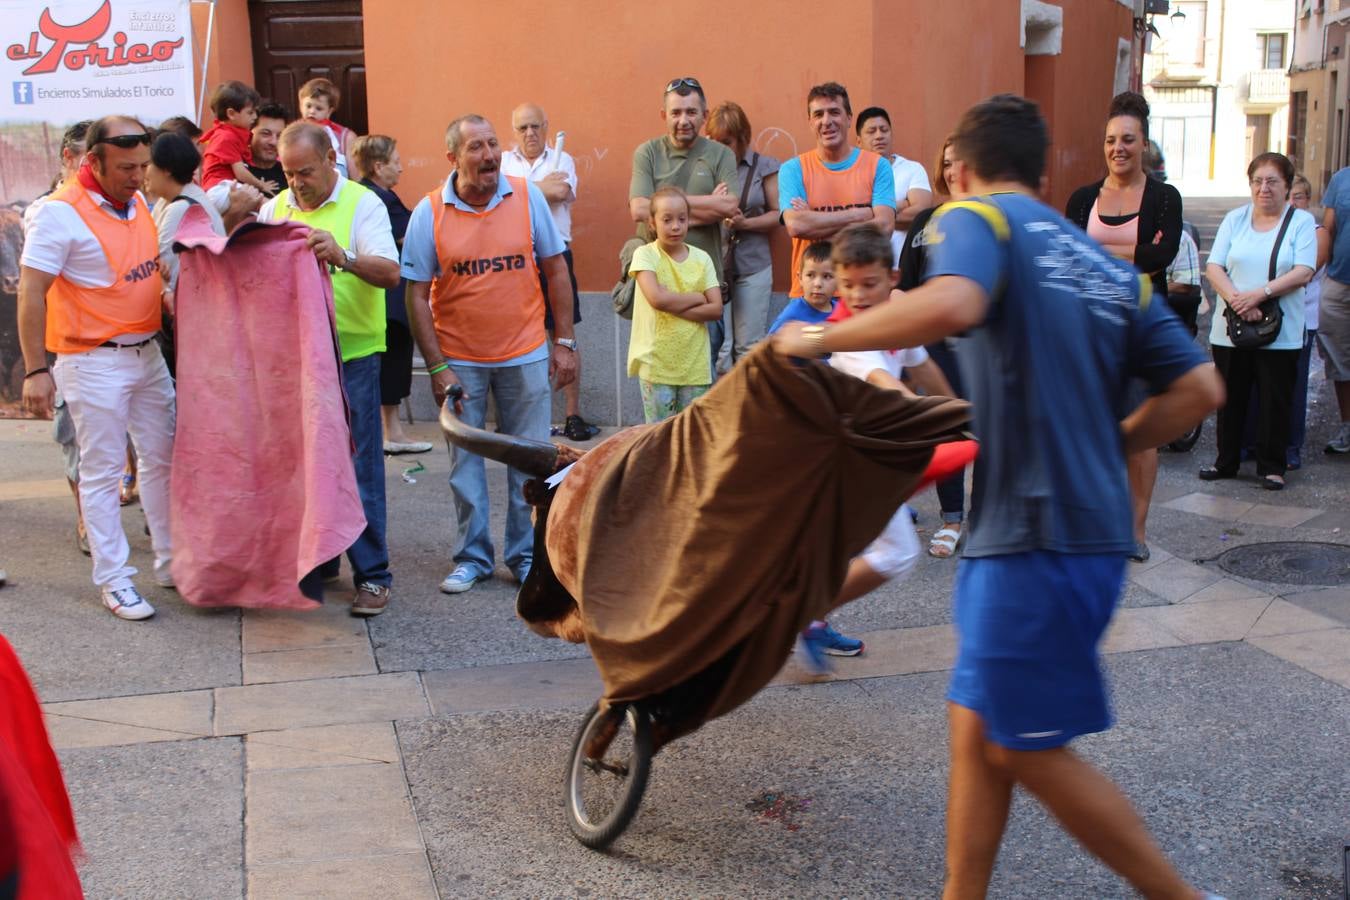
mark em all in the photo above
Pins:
pixel 545 601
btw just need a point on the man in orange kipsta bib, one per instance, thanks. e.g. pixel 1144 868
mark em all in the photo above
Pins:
pixel 91 293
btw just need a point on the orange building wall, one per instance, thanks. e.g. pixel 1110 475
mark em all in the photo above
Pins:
pixel 231 52
pixel 598 69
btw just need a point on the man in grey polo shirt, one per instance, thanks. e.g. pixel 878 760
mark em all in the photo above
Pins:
pixel 702 168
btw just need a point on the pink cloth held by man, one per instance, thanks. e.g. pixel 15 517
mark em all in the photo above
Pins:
pixel 263 489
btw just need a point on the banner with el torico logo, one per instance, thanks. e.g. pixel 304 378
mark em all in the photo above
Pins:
pixel 61 62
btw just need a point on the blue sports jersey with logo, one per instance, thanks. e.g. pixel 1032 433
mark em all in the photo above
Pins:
pixel 1067 326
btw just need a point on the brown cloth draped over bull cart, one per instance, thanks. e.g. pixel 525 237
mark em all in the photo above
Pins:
pixel 698 548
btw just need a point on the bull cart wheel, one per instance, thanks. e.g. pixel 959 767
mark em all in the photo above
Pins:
pixel 607 772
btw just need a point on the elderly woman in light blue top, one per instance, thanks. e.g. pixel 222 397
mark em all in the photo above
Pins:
pixel 1239 270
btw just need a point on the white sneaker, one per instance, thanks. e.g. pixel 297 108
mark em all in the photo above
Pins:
pixel 164 576
pixel 1341 442
pixel 395 448
pixel 459 581
pixel 127 603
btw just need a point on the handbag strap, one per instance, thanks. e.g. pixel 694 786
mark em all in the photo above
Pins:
pixel 1279 238
pixel 749 180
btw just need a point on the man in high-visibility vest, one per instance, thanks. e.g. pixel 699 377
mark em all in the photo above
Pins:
pixel 351 233
pixel 90 292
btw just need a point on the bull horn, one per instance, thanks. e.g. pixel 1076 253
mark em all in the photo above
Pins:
pixel 535 458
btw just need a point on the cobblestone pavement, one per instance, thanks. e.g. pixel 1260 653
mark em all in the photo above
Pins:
pixel 420 754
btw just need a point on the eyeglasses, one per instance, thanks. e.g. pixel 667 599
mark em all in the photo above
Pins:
pixel 125 141
pixel 1267 182
pixel 678 83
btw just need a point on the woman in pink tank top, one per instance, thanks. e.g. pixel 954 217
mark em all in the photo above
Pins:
pixel 1138 219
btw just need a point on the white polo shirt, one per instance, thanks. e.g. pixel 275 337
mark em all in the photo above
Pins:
pixel 515 164
pixel 59 243
pixel 371 232
pixel 909 176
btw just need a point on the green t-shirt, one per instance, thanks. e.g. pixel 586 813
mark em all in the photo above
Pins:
pixel 663 348
pixel 655 164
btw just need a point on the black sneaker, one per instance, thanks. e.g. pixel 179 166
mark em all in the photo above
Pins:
pixel 578 429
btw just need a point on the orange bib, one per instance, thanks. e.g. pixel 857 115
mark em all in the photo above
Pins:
pixel 81 318
pixel 486 303
pixel 829 191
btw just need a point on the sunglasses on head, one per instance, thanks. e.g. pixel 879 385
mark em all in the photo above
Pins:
pixel 125 141
pixel 684 82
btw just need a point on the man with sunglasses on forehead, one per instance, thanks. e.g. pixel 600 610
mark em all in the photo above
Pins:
pixel 90 292
pixel 704 169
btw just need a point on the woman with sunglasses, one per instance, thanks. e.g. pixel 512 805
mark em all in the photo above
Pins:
pixel 1138 219
pixel 1267 235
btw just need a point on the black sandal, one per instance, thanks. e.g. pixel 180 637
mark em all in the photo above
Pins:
pixel 1272 483
pixel 1213 473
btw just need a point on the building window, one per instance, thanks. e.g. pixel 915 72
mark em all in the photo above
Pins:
pixel 1298 126
pixel 1186 37
pixel 1270 48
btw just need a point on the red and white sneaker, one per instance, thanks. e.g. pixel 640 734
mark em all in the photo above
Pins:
pixel 127 603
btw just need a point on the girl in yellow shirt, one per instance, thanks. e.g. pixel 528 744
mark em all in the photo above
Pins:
pixel 677 292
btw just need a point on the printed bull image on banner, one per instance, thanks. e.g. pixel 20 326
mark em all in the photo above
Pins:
pixel 61 62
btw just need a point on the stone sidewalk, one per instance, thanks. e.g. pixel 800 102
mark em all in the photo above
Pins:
pixel 268 754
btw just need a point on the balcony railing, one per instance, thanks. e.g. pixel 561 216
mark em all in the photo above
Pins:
pixel 1268 86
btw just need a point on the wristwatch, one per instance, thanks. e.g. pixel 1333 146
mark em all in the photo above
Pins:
pixel 351 259
pixel 1267 290
pixel 569 343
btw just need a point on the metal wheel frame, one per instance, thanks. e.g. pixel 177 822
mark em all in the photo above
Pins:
pixel 600 834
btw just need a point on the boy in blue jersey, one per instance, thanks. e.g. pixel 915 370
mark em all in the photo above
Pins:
pixel 1054 329
pixel 817 279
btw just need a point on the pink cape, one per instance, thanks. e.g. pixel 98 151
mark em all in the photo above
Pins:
pixel 263 487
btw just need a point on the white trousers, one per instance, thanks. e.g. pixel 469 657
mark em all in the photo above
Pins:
pixel 113 392
pixel 895 552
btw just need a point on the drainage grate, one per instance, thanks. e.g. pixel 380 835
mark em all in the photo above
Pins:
pixel 1290 562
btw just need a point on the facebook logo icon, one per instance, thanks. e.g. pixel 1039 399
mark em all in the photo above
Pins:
pixel 23 93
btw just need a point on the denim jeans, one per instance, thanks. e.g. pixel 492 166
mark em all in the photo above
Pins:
pixel 1298 427
pixel 369 556
pixel 524 409
pixel 745 320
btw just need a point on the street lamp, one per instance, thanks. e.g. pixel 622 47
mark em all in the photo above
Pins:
pixel 1177 18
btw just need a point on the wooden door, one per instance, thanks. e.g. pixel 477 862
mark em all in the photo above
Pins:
pixel 296 40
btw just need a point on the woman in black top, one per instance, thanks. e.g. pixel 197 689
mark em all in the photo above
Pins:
pixel 1138 219
pixel 951 492
pixel 379 168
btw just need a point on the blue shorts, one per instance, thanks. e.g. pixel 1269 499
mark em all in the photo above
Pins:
pixel 1028 625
